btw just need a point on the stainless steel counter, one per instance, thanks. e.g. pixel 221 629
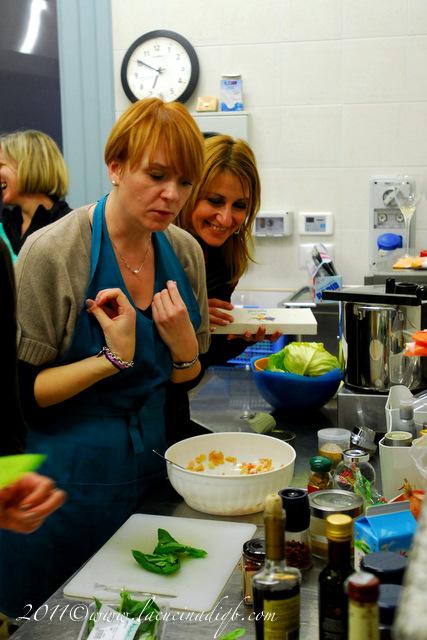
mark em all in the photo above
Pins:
pixel 223 396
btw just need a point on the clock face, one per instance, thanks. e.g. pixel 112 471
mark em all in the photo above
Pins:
pixel 160 64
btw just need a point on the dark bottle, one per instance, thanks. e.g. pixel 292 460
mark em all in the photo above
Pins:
pixel 333 602
pixel 276 588
pixel 388 602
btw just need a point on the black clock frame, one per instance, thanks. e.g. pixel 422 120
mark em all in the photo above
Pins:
pixel 163 33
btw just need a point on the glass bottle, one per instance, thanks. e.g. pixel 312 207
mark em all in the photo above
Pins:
pixel 347 475
pixel 363 616
pixel 253 558
pixel 320 477
pixel 297 528
pixel 406 414
pixel 333 602
pixel 276 588
pixel 388 602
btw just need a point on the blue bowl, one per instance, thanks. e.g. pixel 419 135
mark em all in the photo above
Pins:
pixel 291 391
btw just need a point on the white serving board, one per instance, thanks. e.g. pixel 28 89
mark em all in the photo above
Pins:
pixel 292 320
pixel 196 585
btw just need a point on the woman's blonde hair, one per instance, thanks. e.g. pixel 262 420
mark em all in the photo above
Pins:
pixel 151 123
pixel 225 154
pixel 39 164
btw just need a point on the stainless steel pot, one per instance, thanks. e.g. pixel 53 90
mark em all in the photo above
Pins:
pixel 374 338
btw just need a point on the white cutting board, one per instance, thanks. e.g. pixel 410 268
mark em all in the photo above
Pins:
pixel 196 585
pixel 290 320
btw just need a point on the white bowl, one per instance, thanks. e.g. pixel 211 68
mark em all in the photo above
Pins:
pixel 224 491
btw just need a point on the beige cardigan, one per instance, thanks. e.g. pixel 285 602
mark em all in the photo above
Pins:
pixel 52 274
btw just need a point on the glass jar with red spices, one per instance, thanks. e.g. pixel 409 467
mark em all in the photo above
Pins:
pixel 297 540
pixel 253 558
pixel 354 470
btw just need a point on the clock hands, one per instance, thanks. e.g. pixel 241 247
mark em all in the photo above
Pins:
pixel 159 70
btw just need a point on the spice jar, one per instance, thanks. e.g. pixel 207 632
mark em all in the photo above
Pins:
pixel 354 465
pixel 322 505
pixel 320 477
pixel 253 558
pixel 297 538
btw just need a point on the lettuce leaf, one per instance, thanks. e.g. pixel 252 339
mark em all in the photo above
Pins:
pixel 303 358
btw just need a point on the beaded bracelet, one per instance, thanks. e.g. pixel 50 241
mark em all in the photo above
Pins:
pixel 185 365
pixel 115 359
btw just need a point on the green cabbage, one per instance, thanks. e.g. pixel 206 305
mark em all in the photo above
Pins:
pixel 303 358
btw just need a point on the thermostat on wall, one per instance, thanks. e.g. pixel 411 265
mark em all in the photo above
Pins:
pixel 273 225
pixel 316 223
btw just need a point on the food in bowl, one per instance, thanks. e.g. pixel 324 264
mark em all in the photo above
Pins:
pixel 291 391
pixel 229 464
pixel 223 489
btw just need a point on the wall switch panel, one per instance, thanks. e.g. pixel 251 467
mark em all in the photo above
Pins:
pixel 273 224
pixel 316 223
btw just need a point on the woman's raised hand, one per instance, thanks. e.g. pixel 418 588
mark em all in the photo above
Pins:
pixel 117 319
pixel 173 323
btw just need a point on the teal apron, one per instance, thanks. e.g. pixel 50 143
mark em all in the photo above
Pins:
pixel 99 444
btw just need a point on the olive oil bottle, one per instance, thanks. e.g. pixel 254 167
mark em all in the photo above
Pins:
pixel 276 588
pixel 333 601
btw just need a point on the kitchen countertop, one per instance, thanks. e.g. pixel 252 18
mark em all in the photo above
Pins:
pixel 233 389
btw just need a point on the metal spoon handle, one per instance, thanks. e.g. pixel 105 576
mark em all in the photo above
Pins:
pixel 164 458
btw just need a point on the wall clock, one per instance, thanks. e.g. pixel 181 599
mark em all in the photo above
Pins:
pixel 161 64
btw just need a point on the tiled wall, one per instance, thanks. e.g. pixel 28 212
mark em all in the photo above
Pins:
pixel 336 91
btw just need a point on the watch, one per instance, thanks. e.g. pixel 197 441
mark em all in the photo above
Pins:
pixel 160 64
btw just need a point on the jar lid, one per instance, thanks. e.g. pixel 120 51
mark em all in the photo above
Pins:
pixel 320 463
pixel 398 439
pixel 255 548
pixel 388 601
pixel 339 527
pixel 324 503
pixel 388 566
pixel 363 587
pixel 423 253
pixel 295 503
pixel 355 455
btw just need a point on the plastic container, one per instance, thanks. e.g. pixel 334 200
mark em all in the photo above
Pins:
pixel 322 505
pixel 388 566
pixel 332 442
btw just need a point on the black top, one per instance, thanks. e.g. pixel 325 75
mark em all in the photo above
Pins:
pixel 177 410
pixel 12 219
pixel 13 428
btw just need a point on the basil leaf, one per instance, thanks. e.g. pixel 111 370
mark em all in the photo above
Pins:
pixel 14 467
pixel 164 563
pixel 167 544
pixel 237 633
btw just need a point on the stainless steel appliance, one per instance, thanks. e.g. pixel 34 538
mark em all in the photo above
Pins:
pixel 375 324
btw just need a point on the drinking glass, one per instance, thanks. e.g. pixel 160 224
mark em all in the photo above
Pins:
pixel 407 194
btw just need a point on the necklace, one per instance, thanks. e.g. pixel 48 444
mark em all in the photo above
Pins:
pixel 126 263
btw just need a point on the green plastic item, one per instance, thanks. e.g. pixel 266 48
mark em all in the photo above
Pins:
pixel 14 467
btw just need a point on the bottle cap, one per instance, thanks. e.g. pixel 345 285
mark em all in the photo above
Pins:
pixel 388 601
pixel 320 463
pixel 295 503
pixel 423 253
pixel 255 549
pixel 355 455
pixel 363 587
pixel 389 241
pixel 388 566
pixel 339 527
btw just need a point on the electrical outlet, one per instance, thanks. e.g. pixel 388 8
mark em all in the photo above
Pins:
pixel 304 253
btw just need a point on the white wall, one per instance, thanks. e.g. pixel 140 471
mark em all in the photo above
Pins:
pixel 336 91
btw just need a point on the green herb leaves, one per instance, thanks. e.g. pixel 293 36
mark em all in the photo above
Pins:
pixel 166 556
pixel 157 562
